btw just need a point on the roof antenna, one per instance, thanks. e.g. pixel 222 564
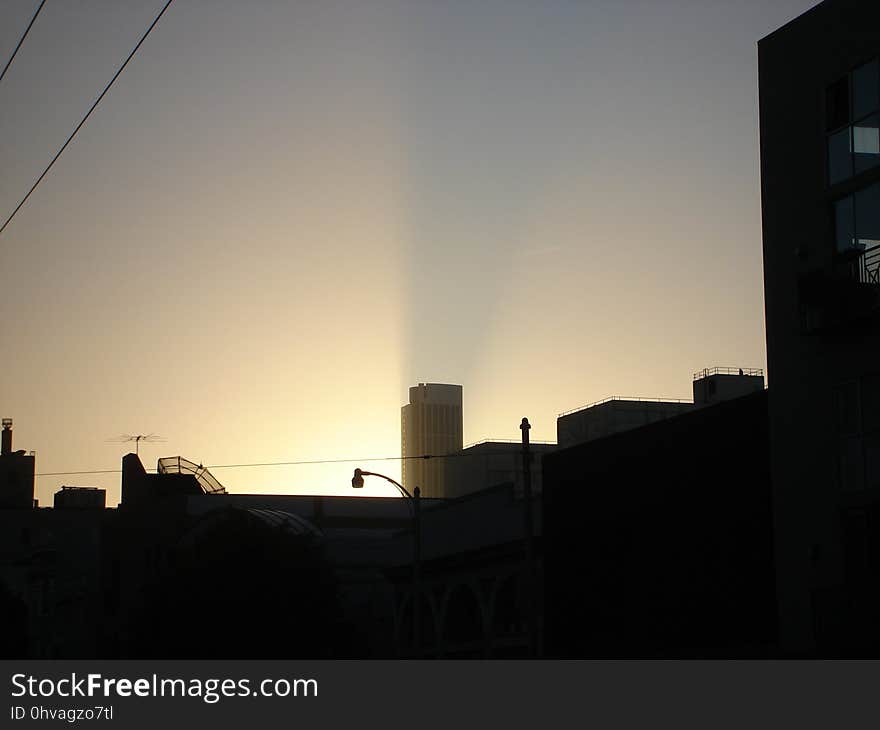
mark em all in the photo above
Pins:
pixel 150 438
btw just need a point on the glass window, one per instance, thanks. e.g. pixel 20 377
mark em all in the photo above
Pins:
pixel 866 143
pixel 867 210
pixel 839 157
pixel 837 104
pixel 844 223
pixel 865 89
pixel 852 122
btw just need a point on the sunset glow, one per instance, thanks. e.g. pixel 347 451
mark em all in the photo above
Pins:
pixel 287 213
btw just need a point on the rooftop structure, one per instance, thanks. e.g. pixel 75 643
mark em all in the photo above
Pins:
pixel 17 469
pixel 80 498
pixel 713 385
pixel 492 463
pixel 620 413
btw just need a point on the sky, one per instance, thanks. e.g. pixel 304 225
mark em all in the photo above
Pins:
pixel 284 214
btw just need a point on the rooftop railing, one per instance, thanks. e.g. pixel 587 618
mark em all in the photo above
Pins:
pixel 507 441
pixel 179 465
pixel 625 398
pixel 706 372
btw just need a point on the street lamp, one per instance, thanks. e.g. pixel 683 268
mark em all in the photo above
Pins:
pixel 357 482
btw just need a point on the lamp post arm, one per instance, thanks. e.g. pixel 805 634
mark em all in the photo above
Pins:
pixel 414 504
pixel 388 479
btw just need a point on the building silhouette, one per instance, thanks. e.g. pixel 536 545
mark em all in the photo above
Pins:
pixel 17 470
pixel 657 527
pixel 430 425
pixel 471 564
pixel 617 413
pixel 80 498
pixel 613 415
pixel 51 564
pixel 819 92
pixel 713 385
pixel 493 463
pixel 83 581
pixel 658 540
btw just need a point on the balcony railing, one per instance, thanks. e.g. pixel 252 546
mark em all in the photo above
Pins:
pixel 867 266
pixel 861 264
pixel 844 293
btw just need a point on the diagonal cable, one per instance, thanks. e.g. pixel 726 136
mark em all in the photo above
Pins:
pixel 21 40
pixel 88 114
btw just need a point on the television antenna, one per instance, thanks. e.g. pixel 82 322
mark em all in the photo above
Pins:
pixel 150 438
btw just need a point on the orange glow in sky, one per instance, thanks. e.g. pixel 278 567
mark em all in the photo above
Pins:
pixel 285 214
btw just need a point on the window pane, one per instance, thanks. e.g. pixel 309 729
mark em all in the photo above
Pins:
pixel 868 216
pixel 837 104
pixel 839 157
pixel 844 223
pixel 866 87
pixel 866 143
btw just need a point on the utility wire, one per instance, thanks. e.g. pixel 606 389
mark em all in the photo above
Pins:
pixel 332 461
pixel 268 463
pixel 88 114
pixel 68 473
pixel 21 40
pixel 294 463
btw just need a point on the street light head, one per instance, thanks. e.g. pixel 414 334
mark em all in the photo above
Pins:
pixel 357 481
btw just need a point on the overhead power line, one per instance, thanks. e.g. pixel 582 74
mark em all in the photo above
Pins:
pixel 88 114
pixel 70 473
pixel 267 463
pixel 292 463
pixel 21 40
pixel 333 461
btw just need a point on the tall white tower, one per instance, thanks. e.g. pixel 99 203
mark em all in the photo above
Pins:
pixel 430 424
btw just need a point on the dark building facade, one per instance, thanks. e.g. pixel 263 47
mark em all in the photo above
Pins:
pixel 658 540
pixel 613 415
pixel 819 96
pixel 17 469
pixel 618 413
pixel 183 569
pixel 80 498
pixel 490 464
pixel 52 582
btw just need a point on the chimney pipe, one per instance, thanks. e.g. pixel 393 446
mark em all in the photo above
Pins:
pixel 7 437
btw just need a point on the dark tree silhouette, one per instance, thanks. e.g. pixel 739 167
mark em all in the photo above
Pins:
pixel 239 588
